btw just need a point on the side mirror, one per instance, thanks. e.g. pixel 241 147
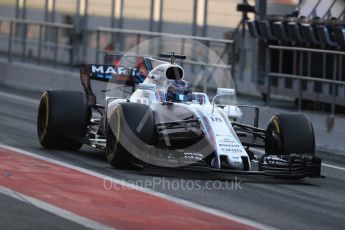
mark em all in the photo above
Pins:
pixel 222 92
pixel 225 91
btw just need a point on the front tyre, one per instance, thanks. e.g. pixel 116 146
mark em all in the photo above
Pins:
pixel 290 134
pixel 130 126
pixel 290 148
pixel 116 154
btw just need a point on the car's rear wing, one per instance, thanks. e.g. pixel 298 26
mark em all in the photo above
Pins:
pixel 108 73
pixel 119 69
pixel 117 74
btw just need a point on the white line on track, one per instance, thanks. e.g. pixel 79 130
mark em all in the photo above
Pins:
pixel 333 166
pixel 145 190
pixel 54 210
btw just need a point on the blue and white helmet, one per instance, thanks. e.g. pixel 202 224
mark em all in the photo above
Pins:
pixel 179 91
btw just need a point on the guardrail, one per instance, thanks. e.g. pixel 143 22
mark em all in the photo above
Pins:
pixel 304 62
pixel 60 44
pixel 36 40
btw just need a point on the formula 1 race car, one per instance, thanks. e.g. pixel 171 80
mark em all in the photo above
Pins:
pixel 163 123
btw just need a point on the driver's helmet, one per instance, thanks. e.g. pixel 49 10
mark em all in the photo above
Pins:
pixel 179 91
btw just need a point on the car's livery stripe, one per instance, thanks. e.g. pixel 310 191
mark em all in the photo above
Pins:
pixel 82 192
pixel 209 129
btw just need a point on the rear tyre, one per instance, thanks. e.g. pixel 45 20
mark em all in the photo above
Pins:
pixel 62 115
pixel 290 134
pixel 123 134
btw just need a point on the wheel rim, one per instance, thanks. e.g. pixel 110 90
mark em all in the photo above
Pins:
pixel 111 145
pixel 273 138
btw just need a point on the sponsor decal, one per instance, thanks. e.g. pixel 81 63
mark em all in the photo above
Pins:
pixel 231 150
pixel 107 71
pixel 227 140
pixel 230 145
pixel 193 156
pixel 104 76
pixel 216 119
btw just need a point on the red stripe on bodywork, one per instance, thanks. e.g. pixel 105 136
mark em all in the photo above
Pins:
pixel 86 196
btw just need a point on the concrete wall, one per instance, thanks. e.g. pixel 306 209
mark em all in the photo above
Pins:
pixel 37 78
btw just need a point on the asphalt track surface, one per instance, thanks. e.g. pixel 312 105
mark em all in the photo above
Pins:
pixel 282 204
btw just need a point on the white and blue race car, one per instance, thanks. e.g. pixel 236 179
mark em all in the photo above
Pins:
pixel 163 123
